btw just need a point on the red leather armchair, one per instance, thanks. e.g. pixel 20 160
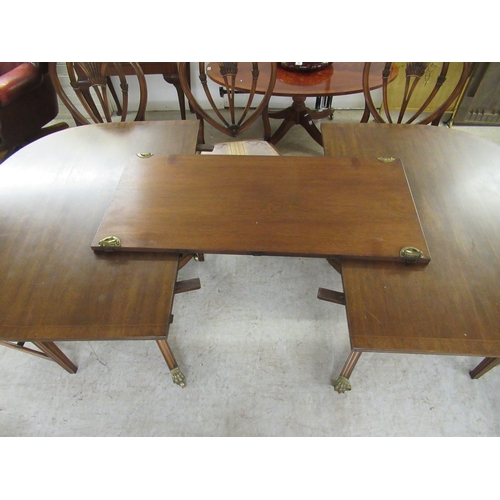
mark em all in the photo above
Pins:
pixel 28 102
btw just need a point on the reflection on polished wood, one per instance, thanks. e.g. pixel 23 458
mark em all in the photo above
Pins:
pixel 337 79
pixel 452 305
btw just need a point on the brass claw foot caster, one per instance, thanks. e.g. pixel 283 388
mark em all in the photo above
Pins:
pixel 178 377
pixel 342 384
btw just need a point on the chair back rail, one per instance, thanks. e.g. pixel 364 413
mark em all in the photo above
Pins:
pixel 422 99
pixel 239 118
pixel 91 82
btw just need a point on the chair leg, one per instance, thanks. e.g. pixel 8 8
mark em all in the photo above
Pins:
pixel 267 124
pixel 182 100
pixel 173 78
pixel 201 130
pixel 484 367
pixel 342 383
pixel 114 95
pixel 177 375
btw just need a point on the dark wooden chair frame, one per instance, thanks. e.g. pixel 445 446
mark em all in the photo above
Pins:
pixel 229 72
pixel 170 73
pixel 414 74
pixel 86 76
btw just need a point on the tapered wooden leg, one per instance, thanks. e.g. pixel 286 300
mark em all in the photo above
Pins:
pixel 485 366
pixel 182 100
pixel 55 354
pixel 342 383
pixel 175 371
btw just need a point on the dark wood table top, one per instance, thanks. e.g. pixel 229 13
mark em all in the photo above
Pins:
pixel 452 305
pixel 54 193
pixel 340 78
pixel 264 205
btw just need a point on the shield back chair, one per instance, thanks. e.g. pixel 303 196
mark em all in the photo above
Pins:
pixel 241 113
pixel 421 93
pixel 28 102
pixel 93 100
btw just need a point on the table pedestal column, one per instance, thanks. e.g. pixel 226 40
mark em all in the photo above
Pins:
pixel 298 114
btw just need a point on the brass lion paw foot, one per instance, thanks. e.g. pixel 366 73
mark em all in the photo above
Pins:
pixel 342 384
pixel 178 377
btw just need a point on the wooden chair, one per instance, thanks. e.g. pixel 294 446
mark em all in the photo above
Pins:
pixel 90 81
pixel 428 91
pixel 170 73
pixel 238 118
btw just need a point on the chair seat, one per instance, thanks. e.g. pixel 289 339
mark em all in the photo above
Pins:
pixel 254 148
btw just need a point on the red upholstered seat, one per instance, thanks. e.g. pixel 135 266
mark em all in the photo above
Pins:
pixel 27 103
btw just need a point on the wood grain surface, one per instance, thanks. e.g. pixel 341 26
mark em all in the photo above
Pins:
pixel 452 305
pixel 290 206
pixel 53 195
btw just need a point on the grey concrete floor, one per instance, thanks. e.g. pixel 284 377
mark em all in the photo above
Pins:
pixel 259 351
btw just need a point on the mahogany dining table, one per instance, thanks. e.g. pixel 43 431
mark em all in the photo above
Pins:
pixel 337 79
pixel 56 193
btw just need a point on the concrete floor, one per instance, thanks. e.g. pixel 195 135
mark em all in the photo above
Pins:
pixel 259 351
